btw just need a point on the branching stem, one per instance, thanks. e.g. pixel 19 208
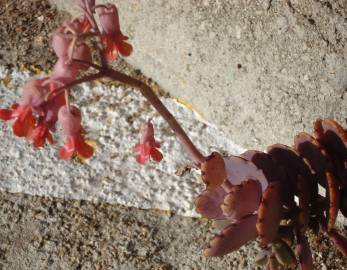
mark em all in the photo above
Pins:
pixel 148 93
pixel 59 90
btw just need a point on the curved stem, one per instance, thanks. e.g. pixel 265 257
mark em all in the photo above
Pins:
pixel 147 92
pixel 87 63
pixel 61 89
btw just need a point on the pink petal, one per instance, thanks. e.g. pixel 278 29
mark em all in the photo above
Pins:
pixel 82 52
pixel 64 72
pixel 82 148
pixel 34 93
pixel 156 155
pixel 124 48
pixel 25 123
pixel 5 114
pixel 39 135
pixel 68 149
pixel 233 237
pixel 137 149
pixel 146 132
pixel 51 109
pixel 142 159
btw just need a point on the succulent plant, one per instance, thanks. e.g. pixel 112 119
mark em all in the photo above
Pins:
pixel 253 195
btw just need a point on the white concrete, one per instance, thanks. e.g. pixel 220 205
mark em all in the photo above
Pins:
pixel 112 175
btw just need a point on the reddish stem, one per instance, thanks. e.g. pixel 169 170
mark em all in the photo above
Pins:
pixel 87 63
pixel 148 93
pixel 61 89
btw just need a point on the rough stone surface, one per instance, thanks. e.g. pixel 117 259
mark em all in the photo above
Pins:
pixel 48 233
pixel 261 70
pixel 45 233
pixel 25 40
pixel 112 117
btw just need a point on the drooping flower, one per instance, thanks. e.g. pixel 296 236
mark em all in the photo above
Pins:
pixel 46 122
pixel 34 117
pixel 70 121
pixel 147 148
pixel 112 37
pixel 40 134
pixel 61 42
pixel 33 96
pixel 24 121
pixel 68 42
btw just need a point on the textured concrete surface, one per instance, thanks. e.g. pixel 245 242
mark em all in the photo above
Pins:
pixel 50 233
pixel 262 70
pixel 112 117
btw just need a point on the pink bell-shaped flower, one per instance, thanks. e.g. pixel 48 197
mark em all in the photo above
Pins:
pixel 61 42
pixel 33 97
pixel 147 148
pixel 70 122
pixel 112 37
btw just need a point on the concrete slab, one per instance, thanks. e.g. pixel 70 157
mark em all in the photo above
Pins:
pixel 260 70
pixel 112 117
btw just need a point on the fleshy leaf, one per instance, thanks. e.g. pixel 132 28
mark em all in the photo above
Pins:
pixel 209 202
pixel 339 240
pixel 303 250
pixel 269 213
pixel 334 199
pixel 233 237
pixel 242 200
pixel 213 171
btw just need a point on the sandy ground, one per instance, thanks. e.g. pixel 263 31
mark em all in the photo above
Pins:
pixel 52 233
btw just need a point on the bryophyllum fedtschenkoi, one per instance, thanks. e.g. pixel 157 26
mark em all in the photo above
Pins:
pixel 249 197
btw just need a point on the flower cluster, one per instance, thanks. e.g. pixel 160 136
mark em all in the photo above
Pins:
pixel 45 101
pixel 34 117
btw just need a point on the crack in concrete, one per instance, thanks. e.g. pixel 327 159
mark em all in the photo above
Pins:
pixel 312 22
